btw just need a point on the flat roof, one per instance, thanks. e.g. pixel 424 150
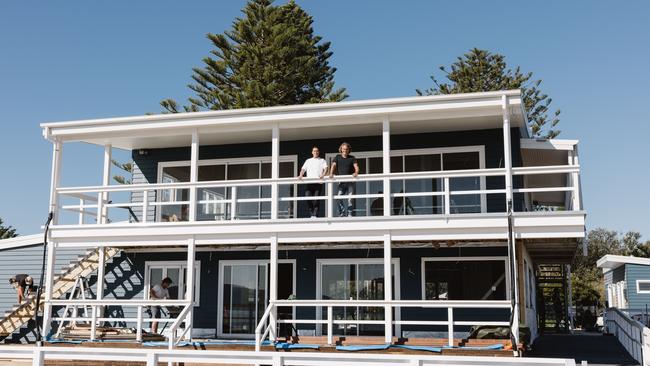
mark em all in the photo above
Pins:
pixel 407 115
pixel 611 261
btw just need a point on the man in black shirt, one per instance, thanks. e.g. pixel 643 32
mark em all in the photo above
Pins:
pixel 23 284
pixel 345 164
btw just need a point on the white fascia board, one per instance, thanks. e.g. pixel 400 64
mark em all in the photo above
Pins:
pixel 552 144
pixel 21 241
pixel 614 261
pixel 259 117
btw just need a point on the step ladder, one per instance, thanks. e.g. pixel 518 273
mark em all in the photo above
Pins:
pixel 80 291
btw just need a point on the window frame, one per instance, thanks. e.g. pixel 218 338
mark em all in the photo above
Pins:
pixel 148 265
pixel 638 289
pixel 460 259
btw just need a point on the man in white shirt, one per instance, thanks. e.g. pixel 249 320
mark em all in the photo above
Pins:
pixel 158 292
pixel 314 167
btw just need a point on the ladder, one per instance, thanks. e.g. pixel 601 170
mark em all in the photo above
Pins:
pixel 80 291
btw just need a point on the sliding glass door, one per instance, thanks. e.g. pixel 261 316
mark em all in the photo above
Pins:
pixel 354 279
pixel 243 295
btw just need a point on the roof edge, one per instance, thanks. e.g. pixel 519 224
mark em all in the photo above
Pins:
pixel 21 241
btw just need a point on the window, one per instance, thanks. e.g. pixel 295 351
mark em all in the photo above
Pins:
pixel 155 271
pixel 464 278
pixel 422 160
pixel 216 201
pixel 643 286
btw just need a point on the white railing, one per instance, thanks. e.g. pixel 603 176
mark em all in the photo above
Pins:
pixel 253 198
pixel 140 305
pixel 153 357
pixel 263 329
pixel 633 335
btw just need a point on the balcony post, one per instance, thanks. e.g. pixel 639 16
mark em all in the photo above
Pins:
pixel 275 170
pixel 57 151
pixel 273 285
pixel 189 293
pixel 102 197
pixel 388 289
pixel 48 283
pixel 385 135
pixel 575 179
pixel 194 173
pixel 512 249
pixel 101 272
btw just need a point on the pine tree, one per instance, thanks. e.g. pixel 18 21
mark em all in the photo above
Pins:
pixel 6 232
pixel 480 70
pixel 270 57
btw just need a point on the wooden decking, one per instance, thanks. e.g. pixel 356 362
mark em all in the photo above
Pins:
pixel 324 347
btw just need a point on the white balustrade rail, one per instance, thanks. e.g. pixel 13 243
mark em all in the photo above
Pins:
pixel 262 329
pixel 93 201
pixel 154 356
pixel 633 335
pixel 93 319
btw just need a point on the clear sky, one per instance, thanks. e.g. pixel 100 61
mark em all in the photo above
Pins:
pixel 67 60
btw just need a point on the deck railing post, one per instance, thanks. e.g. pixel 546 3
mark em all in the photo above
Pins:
pixel 273 283
pixel 330 325
pixel 48 283
pixel 106 181
pixel 57 155
pixel 189 294
pixel 82 203
pixel 138 331
pixel 38 358
pixel 447 196
pixel 450 326
pixel 145 206
pixel 330 199
pixel 386 164
pixel 233 202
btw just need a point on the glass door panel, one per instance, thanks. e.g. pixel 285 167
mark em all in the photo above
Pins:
pixel 240 288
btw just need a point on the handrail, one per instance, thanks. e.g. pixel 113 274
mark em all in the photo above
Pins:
pixel 450 305
pixel 176 324
pixel 632 334
pixel 228 210
pixel 258 330
pixel 123 302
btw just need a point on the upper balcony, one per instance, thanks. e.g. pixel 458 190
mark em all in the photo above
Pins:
pixel 431 168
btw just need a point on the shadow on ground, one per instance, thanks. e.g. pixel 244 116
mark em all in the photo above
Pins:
pixel 595 348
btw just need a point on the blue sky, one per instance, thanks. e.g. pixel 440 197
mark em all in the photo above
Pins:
pixel 73 59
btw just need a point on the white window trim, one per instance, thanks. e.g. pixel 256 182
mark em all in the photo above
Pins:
pixel 638 290
pixel 224 263
pixel 247 160
pixel 467 259
pixel 347 261
pixel 434 150
pixel 182 265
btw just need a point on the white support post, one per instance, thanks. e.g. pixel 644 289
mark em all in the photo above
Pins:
pixel 138 329
pixel 388 289
pixel 152 359
pixel 512 249
pixel 189 284
pixel 145 206
pixel 101 274
pixel 330 325
pixel 48 283
pixel 194 173
pixel 102 210
pixel 57 152
pixel 233 202
pixel 385 137
pixel 330 199
pixel 275 170
pixel 575 178
pixel 447 196
pixel 38 359
pixel 450 327
pixel 82 203
pixel 273 284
